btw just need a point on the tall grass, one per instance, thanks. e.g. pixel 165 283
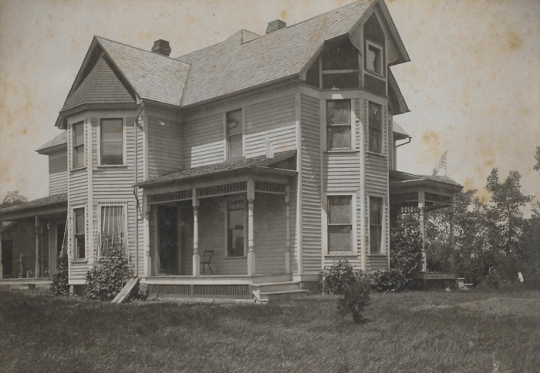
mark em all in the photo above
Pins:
pixel 410 332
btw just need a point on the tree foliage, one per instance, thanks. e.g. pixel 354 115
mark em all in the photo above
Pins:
pixel 13 198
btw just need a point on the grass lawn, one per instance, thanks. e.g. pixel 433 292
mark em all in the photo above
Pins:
pixel 410 332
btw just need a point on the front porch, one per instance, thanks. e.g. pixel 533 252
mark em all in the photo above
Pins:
pixel 236 219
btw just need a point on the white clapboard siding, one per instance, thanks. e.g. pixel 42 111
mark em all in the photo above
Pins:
pixel 269 234
pixel 203 141
pixel 58 172
pixel 361 144
pixel 354 261
pixel 164 146
pixel 275 118
pixel 376 262
pixel 342 172
pixel 311 184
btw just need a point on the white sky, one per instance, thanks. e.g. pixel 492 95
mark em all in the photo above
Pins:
pixel 473 85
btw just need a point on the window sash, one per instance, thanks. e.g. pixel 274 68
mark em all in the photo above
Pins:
pixel 375 128
pixel 236 229
pixel 79 228
pixel 338 124
pixel 374 59
pixel 112 142
pixel 376 212
pixel 113 230
pixel 235 133
pixel 339 222
pixel 78 145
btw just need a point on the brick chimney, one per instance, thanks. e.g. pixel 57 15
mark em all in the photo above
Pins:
pixel 275 25
pixel 162 47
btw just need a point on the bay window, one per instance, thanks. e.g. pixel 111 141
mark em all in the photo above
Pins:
pixel 78 145
pixel 339 223
pixel 111 142
pixel 375 127
pixel 79 242
pixel 375 224
pixel 338 124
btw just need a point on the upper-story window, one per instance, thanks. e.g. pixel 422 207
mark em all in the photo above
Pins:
pixel 111 142
pixel 79 224
pixel 235 134
pixel 78 145
pixel 338 124
pixel 375 127
pixel 339 223
pixel 374 58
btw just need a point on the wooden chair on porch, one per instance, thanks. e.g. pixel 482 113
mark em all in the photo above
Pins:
pixel 207 260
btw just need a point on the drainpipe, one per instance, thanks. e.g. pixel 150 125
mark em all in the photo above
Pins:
pixel 135 186
pixel 409 139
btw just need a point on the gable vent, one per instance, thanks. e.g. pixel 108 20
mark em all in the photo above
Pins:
pixel 162 47
pixel 278 24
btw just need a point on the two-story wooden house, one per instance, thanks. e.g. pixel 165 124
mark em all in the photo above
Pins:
pixel 238 169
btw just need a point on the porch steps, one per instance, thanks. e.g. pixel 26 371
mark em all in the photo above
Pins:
pixel 277 291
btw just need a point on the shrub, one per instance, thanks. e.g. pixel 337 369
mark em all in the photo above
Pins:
pixel 338 278
pixel 392 280
pixel 59 285
pixel 355 299
pixel 491 281
pixel 106 279
pixel 140 292
pixel 406 247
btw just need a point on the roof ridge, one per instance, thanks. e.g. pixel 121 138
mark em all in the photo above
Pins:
pixel 140 49
pixel 214 45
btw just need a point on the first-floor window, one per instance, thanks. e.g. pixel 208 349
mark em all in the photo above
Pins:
pixel 339 223
pixel 375 224
pixel 236 223
pixel 112 230
pixel 79 230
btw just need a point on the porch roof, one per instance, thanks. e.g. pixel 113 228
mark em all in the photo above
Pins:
pixel 403 182
pixel 54 204
pixel 259 164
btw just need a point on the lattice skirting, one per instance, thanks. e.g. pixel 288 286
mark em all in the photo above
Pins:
pixel 200 291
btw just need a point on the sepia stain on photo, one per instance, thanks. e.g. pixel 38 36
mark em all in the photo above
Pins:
pixel 196 185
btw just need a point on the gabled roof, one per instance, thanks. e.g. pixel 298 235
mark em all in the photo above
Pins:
pixel 235 65
pixel 59 142
pixel 399 132
pixel 259 162
pixel 405 179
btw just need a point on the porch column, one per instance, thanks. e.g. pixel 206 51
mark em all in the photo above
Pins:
pixel 146 236
pixel 452 243
pixel 287 230
pixel 196 256
pixel 36 275
pixel 422 208
pixel 251 252
pixel 1 265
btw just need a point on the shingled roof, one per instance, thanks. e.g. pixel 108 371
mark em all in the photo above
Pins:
pixel 59 142
pixel 34 207
pixel 234 65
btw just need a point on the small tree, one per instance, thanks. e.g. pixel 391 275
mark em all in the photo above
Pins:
pixel 338 278
pixel 13 198
pixel 355 299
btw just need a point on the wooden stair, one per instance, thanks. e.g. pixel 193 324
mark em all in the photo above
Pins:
pixel 277 291
pixel 120 297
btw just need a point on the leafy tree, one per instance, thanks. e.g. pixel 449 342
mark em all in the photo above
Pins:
pixel 530 263
pixel 13 198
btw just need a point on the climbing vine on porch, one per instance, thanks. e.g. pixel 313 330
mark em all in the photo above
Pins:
pixel 60 284
pixel 105 280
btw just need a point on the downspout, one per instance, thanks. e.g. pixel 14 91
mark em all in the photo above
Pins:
pixel 135 186
pixel 409 139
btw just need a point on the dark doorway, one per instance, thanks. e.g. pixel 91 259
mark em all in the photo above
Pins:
pixel 60 229
pixel 168 239
pixel 7 258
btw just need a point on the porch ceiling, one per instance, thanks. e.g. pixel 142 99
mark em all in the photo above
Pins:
pixel 51 205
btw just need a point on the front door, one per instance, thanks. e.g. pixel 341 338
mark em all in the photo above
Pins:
pixel 7 258
pixel 168 239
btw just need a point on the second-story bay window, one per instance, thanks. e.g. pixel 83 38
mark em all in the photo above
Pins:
pixel 339 223
pixel 338 124
pixel 78 145
pixel 112 142
pixel 235 131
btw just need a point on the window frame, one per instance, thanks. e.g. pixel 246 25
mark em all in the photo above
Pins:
pixel 380 130
pixel 74 165
pixel 75 235
pixel 227 137
pixel 381 226
pixel 380 64
pixel 327 126
pixel 227 229
pixel 99 143
pixel 124 207
pixel 352 224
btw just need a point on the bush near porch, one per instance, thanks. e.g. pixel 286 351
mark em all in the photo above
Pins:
pixel 406 332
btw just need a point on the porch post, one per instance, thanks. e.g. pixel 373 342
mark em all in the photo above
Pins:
pixel 146 236
pixel 287 230
pixel 196 256
pixel 452 243
pixel 36 275
pixel 1 265
pixel 251 252
pixel 422 208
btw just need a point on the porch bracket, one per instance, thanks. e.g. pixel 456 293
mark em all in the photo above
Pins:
pixel 251 252
pixel 196 256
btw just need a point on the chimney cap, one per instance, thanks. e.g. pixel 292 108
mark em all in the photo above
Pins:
pixel 278 24
pixel 162 47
